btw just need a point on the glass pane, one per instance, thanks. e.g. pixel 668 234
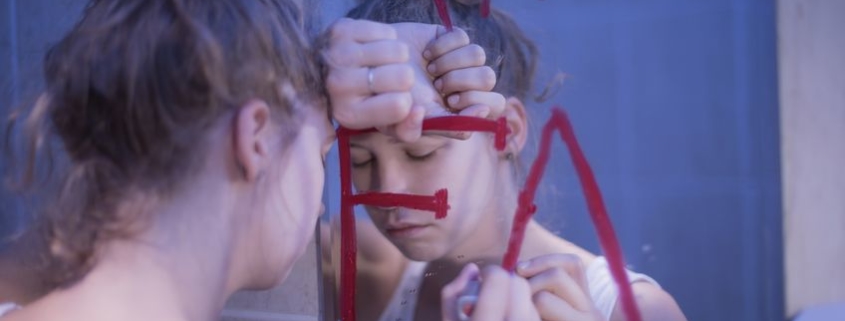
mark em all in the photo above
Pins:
pixel 673 106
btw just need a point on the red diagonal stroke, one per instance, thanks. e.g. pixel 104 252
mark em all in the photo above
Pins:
pixel 443 12
pixel 598 213
pixel 437 203
pixel 485 8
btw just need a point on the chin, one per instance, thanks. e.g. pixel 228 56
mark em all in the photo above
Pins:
pixel 421 252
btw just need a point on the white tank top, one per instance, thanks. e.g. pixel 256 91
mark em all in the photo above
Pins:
pixel 601 287
pixel 7 307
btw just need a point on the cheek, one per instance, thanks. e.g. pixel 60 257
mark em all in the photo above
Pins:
pixel 470 176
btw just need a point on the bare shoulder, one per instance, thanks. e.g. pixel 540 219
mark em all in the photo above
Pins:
pixel 539 241
pixel 654 303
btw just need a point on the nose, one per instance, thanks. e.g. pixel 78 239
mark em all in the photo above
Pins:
pixel 390 178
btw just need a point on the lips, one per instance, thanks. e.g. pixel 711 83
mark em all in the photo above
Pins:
pixel 405 229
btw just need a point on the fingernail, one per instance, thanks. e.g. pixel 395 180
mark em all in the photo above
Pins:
pixel 427 54
pixel 453 100
pixel 523 265
pixel 471 270
pixel 438 84
pixel 432 68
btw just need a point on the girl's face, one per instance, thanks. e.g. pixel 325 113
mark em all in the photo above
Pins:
pixel 467 169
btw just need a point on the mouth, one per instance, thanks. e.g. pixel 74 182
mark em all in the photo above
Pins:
pixel 406 230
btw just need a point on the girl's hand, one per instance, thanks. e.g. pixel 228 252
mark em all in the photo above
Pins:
pixel 502 296
pixel 461 76
pixel 559 288
pixel 370 76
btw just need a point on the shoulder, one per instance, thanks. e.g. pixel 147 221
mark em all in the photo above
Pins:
pixel 654 304
pixel 540 241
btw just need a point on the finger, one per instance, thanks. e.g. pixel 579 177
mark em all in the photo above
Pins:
pixel 361 30
pixel 476 78
pixel 494 101
pixel 389 78
pixel 521 301
pixel 571 263
pixel 494 291
pixel 445 43
pixel 551 307
pixel 344 82
pixel 449 294
pixel 379 110
pixel 410 129
pixel 558 282
pixel 465 57
pixel 349 54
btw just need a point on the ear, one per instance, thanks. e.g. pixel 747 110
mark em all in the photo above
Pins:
pixel 517 121
pixel 252 135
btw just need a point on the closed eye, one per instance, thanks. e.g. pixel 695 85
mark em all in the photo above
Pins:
pixel 419 157
pixel 360 164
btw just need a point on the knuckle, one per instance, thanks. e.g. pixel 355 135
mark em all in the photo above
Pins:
pixel 345 54
pixel 557 273
pixel 344 115
pixel 399 100
pixel 488 77
pixel 461 36
pixel 340 28
pixel 478 55
pixel 543 298
pixel 334 84
pixel 389 31
pixel 402 51
pixel 404 77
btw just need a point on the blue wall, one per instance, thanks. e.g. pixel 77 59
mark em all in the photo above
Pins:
pixel 675 103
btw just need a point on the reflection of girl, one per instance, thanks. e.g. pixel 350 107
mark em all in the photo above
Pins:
pixel 482 194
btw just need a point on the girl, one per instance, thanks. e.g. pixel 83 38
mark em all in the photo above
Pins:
pixel 482 187
pixel 195 132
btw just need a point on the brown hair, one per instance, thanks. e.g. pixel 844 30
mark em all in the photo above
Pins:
pixel 511 54
pixel 132 90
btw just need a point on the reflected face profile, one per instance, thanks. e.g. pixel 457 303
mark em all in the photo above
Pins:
pixel 468 169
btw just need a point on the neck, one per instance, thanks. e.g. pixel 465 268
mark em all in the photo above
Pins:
pixel 177 269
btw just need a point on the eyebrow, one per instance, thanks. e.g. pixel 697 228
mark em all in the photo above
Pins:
pixel 394 141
